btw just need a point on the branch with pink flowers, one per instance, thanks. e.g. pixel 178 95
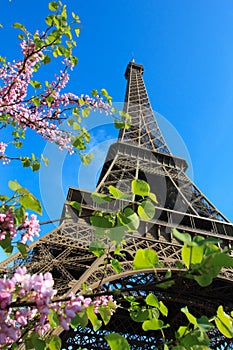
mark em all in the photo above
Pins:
pixel 26 103
pixel 27 300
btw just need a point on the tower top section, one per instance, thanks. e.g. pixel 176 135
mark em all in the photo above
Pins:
pixel 144 131
pixel 133 66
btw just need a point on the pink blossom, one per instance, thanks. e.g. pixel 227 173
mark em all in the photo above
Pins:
pixel 38 290
pixel 32 228
pixel 7 224
pixel 2 148
pixel 46 117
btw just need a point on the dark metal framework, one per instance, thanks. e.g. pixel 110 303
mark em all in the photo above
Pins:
pixel 140 153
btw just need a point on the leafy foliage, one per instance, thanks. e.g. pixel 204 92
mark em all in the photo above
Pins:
pixel 201 259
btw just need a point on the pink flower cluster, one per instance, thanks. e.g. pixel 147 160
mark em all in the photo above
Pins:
pixel 103 300
pixel 25 297
pixel 29 229
pixel 2 148
pixel 49 111
pixel 3 157
pixel 34 288
pixel 7 224
pixel 32 228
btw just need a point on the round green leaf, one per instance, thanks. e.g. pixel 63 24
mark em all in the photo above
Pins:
pixel 224 323
pixel 97 248
pixel 145 258
pixel 117 342
pixel 146 210
pixel 152 325
pixel 140 188
pixel 132 219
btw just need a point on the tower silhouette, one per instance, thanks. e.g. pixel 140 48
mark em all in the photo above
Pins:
pixel 140 153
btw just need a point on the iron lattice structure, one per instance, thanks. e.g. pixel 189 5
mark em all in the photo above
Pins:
pixel 140 153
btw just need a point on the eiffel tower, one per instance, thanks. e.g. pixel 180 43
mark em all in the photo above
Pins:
pixel 140 153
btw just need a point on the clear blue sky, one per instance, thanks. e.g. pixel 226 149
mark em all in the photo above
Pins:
pixel 187 52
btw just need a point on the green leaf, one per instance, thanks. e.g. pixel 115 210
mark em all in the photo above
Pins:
pixel 14 185
pixel 78 142
pixel 49 100
pixel 23 249
pixel 195 340
pixel 94 93
pixel 140 188
pixel 163 309
pixel 74 60
pixel 76 17
pixel 192 319
pixel 140 315
pixel 85 112
pixel 100 232
pixel 182 330
pixel 30 202
pixel 117 342
pixel 87 158
pixel 132 219
pixel 152 300
pixel 18 25
pixel 18 144
pixel 117 234
pixel 100 198
pixel 35 165
pixel 36 342
pixel 96 323
pixel 224 323
pixel 97 248
pixel 146 210
pixel 105 313
pixel 6 244
pixel 101 221
pixel 76 126
pixel 53 319
pixel 179 264
pixel 36 84
pixel 153 197
pixel 54 343
pixel 145 259
pixel 152 325
pixel 80 319
pixel 53 6
pixel 222 259
pixel 167 284
pixel 36 101
pixel 183 237
pixel 3 198
pixel 116 265
pixel 21 37
pixel 192 254
pixel 119 125
pixel 76 205
pixel 45 160
pixel 70 122
pixel 19 215
pixel 49 20
pixel 46 59
pixel 118 194
pixel 77 31
pixel 26 161
pixel 203 324
pixel 104 92
pixel 204 280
